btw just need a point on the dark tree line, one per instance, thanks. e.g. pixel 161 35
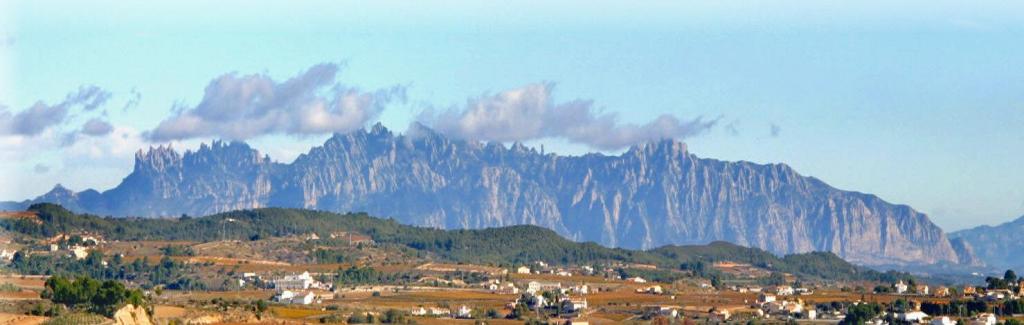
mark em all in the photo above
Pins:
pixel 90 294
pixel 167 272
pixel 497 246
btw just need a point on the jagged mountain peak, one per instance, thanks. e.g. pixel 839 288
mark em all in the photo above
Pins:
pixel 379 130
pixel 59 190
pixel 160 152
pixel 670 147
pixel 653 194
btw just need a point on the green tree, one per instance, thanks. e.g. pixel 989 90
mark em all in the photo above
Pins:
pixel 492 313
pixel 1010 276
pixel 861 314
pixel 110 295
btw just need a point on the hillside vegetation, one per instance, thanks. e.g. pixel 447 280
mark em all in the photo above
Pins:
pixel 499 246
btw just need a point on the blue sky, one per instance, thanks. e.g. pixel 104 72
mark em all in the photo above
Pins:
pixel 921 103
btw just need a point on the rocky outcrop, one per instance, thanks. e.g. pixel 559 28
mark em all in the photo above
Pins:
pixel 965 253
pixel 653 194
pixel 1000 246
pixel 132 315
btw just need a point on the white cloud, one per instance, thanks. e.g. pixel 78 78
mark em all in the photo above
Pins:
pixel 530 113
pixel 240 107
pixel 96 127
pixel 39 117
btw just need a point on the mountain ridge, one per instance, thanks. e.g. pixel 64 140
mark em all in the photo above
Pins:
pixel 1000 246
pixel 654 193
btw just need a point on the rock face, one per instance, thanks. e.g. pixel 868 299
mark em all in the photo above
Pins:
pixel 132 315
pixel 999 246
pixel 965 252
pixel 654 194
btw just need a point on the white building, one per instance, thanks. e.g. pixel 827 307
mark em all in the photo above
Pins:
pixel 284 296
pixel 523 270
pixel 913 317
pixel 667 311
pixel 944 320
pixel 993 296
pixel 94 240
pixel 537 301
pixel 432 311
pixel 438 311
pixel 304 299
pixel 654 289
pixel 765 298
pixel 784 307
pixel 923 289
pixel 900 287
pixel 580 289
pixel 984 319
pixel 572 305
pixel 418 311
pixel 295 282
pixel 784 290
pixel 535 287
pixel 637 280
pixel 464 312
pixel 719 315
pixel 79 252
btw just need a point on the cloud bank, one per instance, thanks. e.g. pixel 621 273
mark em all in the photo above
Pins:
pixel 530 113
pixel 239 107
pixel 40 116
pixel 97 127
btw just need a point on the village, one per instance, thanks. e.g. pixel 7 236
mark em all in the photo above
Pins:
pixel 556 294
pixel 294 279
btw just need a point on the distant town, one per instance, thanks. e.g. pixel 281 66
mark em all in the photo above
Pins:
pixel 93 273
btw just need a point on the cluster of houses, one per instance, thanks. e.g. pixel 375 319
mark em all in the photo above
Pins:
pixel 919 317
pixel 462 312
pixel 300 289
pixel 539 267
pixel 782 290
pixel 663 311
pixel 992 295
pixel 496 286
pixel 568 299
pixel 919 289
pixel 79 250
pixel 1016 291
pixel 770 305
pixel 980 319
pixel 654 290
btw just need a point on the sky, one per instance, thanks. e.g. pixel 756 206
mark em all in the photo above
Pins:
pixel 920 103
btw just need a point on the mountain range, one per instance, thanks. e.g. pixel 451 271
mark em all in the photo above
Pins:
pixel 1000 246
pixel 653 194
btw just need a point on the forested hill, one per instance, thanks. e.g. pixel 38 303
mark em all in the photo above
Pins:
pixel 505 245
